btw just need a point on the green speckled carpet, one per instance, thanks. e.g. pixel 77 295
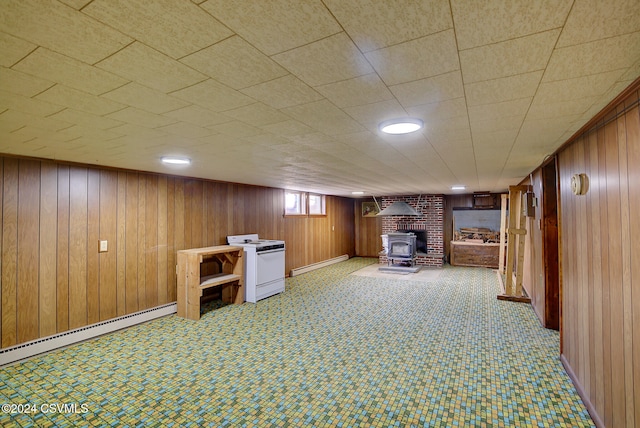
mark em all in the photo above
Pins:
pixel 334 350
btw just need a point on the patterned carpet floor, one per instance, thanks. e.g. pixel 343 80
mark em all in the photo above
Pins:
pixel 334 350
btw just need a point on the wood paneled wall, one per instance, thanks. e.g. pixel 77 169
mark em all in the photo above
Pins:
pixel 451 202
pixel 52 277
pixel 368 231
pixel 600 249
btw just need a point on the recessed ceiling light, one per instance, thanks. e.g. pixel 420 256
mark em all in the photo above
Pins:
pixel 175 160
pixel 357 193
pixel 403 125
pixel 458 187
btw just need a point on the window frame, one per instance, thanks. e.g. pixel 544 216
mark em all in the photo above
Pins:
pixel 303 198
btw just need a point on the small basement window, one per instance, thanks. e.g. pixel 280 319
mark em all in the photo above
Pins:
pixel 303 203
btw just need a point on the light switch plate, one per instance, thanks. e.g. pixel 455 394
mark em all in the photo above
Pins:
pixel 102 246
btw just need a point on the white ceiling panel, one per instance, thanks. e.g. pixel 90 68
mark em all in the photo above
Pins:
pixel 291 94
pixel 416 59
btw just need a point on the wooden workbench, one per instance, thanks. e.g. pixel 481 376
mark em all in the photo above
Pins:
pixel 191 282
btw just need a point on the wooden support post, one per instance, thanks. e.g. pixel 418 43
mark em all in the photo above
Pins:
pixel 503 230
pixel 516 232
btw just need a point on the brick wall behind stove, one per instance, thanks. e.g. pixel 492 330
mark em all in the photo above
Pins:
pixel 432 220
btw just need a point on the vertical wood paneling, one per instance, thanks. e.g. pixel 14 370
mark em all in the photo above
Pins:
pixel 77 247
pixel 615 270
pixel 162 241
pixel 108 231
pixel 632 121
pixel 171 246
pixel 121 241
pixel 93 236
pixel 151 241
pixel 28 249
pixel 62 301
pixel 131 243
pixel 142 203
pixel 1 230
pixel 600 273
pixel 48 223
pixel 57 214
pixel 625 260
pixel 9 252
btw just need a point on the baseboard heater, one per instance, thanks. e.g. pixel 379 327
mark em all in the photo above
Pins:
pixel 314 266
pixel 46 344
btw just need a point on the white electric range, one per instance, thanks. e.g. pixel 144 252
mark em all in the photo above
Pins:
pixel 264 265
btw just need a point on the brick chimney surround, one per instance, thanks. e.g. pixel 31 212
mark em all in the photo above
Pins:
pixel 432 220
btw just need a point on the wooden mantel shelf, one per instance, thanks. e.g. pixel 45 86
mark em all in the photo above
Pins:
pixel 191 284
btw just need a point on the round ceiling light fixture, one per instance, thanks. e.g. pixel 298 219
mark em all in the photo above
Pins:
pixel 403 125
pixel 175 160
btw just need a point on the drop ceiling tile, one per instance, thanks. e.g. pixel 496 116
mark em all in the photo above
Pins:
pixel 31 120
pixel 141 118
pixel 277 25
pixel 27 105
pixel 142 97
pixel 76 74
pixel 151 68
pixel 197 115
pixel 329 60
pixel 440 112
pixel 257 114
pixel 510 123
pixel 430 90
pixel 284 92
pixel 592 20
pixel 371 115
pixel 509 58
pixel 499 111
pixel 374 24
pixel 615 53
pixel 213 95
pixel 324 117
pixel 503 89
pixel 484 23
pixel 13 49
pixel 22 84
pixel 552 110
pixel 235 63
pixel 176 28
pixel 416 59
pixel 135 132
pixel 76 4
pixel 85 119
pixel 288 128
pixel 56 26
pixel 236 128
pixel 358 91
pixel 187 130
pixel 576 88
pixel 78 100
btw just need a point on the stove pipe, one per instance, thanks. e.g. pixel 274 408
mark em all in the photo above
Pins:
pixel 399 208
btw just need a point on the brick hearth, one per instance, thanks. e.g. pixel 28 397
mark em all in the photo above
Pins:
pixel 432 220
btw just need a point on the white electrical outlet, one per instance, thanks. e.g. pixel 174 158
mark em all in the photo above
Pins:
pixel 102 247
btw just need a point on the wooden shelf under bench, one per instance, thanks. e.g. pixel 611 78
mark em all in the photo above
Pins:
pixel 191 283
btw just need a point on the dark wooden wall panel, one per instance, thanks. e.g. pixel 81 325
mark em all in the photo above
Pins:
pixel 62 301
pixel 48 218
pixel 600 274
pixel 108 279
pixel 9 252
pixel 77 247
pixel 93 236
pixel 53 216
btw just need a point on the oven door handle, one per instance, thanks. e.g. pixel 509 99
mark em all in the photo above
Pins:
pixel 269 251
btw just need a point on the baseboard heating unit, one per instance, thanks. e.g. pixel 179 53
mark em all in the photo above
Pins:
pixel 46 344
pixel 314 266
